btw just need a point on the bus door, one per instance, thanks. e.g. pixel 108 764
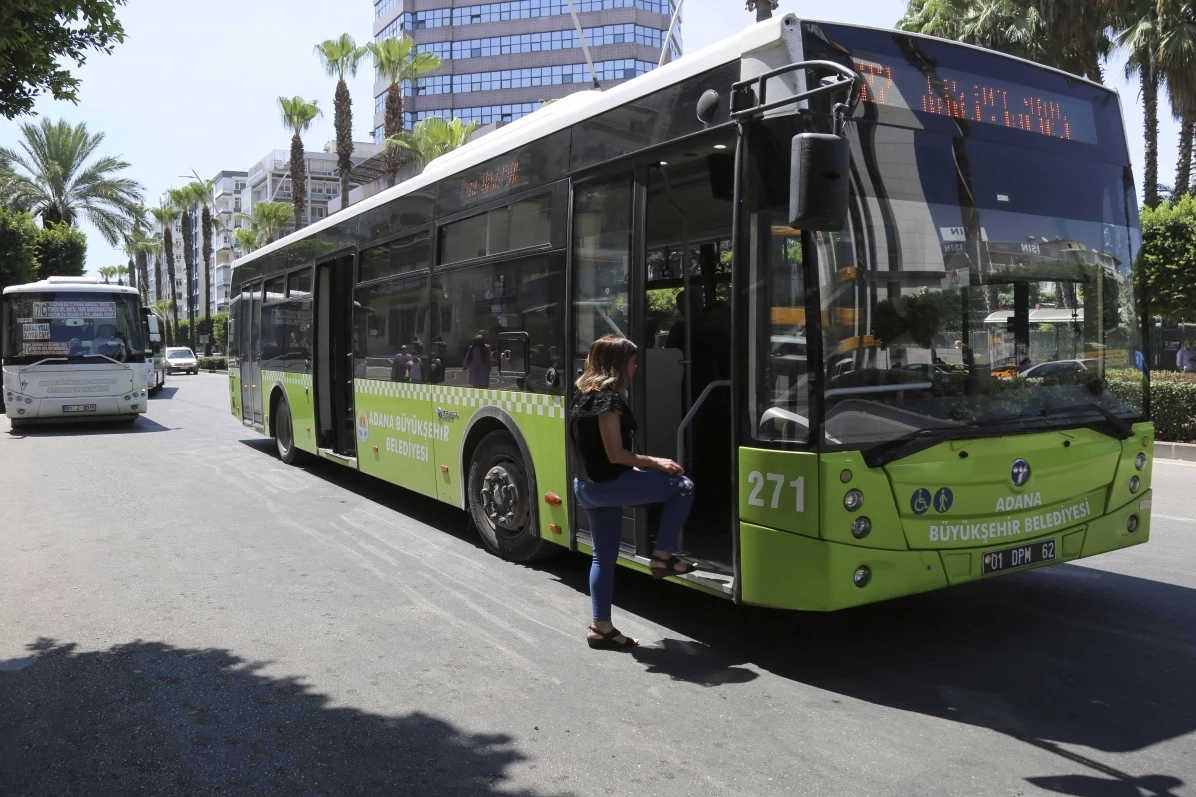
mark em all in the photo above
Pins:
pixel 600 279
pixel 249 338
pixel 685 332
pixel 334 357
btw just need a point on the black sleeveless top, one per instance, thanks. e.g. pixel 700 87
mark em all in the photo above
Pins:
pixel 586 436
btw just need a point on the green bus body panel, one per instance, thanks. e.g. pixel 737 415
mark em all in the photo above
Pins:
pixel 792 571
pixel 234 392
pixel 297 388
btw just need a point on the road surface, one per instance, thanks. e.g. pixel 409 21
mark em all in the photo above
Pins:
pixel 183 613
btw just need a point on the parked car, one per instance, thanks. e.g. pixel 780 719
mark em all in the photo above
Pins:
pixel 180 358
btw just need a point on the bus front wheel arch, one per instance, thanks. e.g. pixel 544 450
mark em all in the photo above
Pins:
pixel 500 500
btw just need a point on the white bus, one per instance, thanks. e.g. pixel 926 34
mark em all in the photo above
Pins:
pixel 72 348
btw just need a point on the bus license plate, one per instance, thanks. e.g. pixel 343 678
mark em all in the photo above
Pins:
pixel 1021 556
pixel 78 408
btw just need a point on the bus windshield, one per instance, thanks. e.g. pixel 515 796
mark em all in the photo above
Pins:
pixel 71 324
pixel 981 287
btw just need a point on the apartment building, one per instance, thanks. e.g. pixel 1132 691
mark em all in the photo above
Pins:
pixel 502 59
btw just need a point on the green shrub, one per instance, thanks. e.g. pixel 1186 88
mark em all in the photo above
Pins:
pixel 213 363
pixel 1172 401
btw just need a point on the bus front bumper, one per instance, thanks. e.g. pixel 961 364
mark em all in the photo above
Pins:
pixel 74 408
pixel 791 571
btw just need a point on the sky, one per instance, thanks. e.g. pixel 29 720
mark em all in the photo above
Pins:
pixel 199 91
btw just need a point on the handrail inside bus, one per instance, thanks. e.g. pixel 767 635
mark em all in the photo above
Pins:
pixel 858 391
pixel 689 416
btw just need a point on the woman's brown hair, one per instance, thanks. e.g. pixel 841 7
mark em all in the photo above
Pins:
pixel 606 364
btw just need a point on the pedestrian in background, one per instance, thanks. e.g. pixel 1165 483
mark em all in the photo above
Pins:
pixel 1185 358
pixel 612 477
pixel 478 361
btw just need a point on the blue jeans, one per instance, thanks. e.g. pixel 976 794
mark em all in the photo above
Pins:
pixel 604 502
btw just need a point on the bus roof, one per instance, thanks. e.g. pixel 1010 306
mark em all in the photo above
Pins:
pixel 70 285
pixel 583 105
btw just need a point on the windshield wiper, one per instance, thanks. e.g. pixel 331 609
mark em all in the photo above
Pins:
pixel 1124 430
pixel 892 450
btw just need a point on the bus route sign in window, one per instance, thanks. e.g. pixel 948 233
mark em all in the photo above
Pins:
pixel 940 91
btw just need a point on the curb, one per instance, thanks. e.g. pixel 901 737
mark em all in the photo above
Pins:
pixel 1185 452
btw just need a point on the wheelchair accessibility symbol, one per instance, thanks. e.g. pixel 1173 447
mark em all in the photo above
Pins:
pixel 919 502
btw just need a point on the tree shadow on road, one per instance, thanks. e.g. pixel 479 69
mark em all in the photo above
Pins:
pixel 146 717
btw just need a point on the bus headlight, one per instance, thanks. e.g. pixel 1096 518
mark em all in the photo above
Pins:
pixel 28 401
pixel 1140 460
pixel 861 527
pixel 1135 484
pixel 127 397
pixel 1131 523
pixel 862 576
pixel 853 500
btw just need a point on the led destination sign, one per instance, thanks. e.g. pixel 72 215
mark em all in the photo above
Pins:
pixel 984 100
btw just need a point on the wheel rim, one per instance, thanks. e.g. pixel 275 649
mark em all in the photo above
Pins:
pixel 284 433
pixel 503 498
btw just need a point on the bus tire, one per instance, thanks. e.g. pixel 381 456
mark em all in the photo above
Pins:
pixel 284 435
pixel 500 500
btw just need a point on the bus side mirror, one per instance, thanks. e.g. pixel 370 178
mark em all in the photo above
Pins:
pixel 819 174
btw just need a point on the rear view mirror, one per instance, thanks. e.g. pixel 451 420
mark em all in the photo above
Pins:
pixel 819 174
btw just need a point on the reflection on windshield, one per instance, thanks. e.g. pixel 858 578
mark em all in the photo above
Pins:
pixel 72 325
pixel 976 288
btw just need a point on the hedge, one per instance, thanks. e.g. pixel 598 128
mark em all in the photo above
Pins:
pixel 213 363
pixel 1172 401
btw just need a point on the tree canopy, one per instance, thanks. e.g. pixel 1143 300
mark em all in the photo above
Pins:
pixel 36 36
pixel 18 248
pixel 1169 257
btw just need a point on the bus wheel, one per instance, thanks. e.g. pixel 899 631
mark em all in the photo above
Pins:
pixel 284 435
pixel 500 500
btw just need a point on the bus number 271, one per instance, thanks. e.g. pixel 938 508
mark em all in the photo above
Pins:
pixel 777 482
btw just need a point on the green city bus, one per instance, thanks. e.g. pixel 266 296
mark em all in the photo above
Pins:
pixel 806 228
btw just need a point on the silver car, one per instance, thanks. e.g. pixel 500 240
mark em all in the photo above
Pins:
pixel 180 358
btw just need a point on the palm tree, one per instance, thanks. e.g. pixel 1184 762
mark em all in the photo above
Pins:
pixel 245 239
pixel 1009 26
pixel 298 115
pixel 267 219
pixel 341 56
pixel 204 192
pixel 184 200
pixel 1078 28
pixel 166 216
pixel 152 247
pixel 121 272
pixel 763 8
pixel 133 242
pixel 1177 54
pixel 107 273
pixel 1137 26
pixel 57 179
pixel 397 60
pixel 431 138
pixel 162 308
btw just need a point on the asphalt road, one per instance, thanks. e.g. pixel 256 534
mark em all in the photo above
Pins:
pixel 181 613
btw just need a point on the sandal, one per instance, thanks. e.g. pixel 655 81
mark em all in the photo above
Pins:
pixel 610 641
pixel 670 567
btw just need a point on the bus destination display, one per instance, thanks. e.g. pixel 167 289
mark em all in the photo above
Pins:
pixel 959 95
pixel 500 177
